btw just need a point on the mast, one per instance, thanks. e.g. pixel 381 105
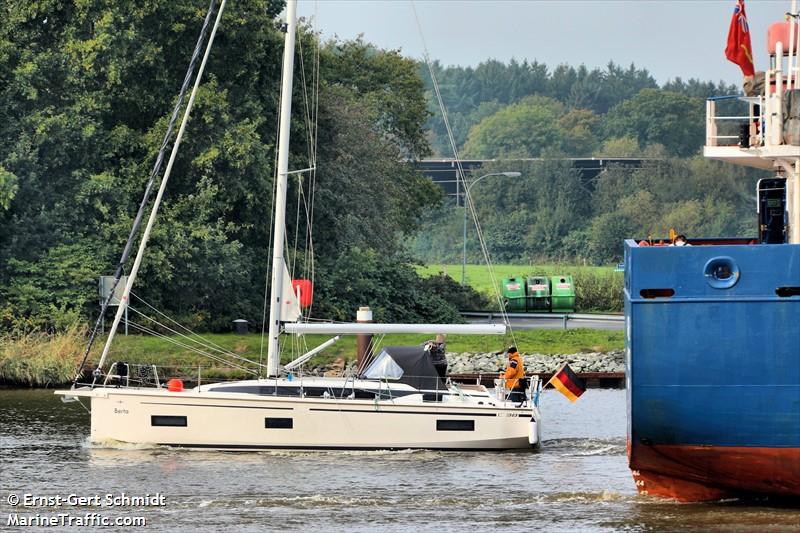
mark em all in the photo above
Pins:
pixel 273 353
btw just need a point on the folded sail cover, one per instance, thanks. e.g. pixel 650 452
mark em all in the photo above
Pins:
pixel 568 383
pixel 406 364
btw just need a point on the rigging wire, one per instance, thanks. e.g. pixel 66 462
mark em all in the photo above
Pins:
pixel 310 116
pixel 310 257
pixel 372 351
pixel 210 348
pixel 145 329
pixel 160 195
pixel 207 342
pixel 148 189
pixel 303 206
pixel 170 338
pixel 468 202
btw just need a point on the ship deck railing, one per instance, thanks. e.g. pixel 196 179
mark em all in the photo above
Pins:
pixel 717 241
pixel 749 131
pixel 737 113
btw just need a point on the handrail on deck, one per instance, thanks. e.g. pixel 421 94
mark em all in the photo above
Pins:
pixel 754 121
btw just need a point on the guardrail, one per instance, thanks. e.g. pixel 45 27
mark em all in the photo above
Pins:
pixel 564 317
pixel 736 128
pixel 594 380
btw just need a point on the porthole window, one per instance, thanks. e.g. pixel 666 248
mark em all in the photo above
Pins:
pixel 722 272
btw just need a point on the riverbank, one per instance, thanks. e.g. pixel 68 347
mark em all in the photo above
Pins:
pixel 538 363
pixel 599 369
pixel 39 360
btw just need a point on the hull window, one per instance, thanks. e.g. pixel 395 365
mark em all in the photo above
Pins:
pixel 278 423
pixel 657 293
pixel 455 425
pixel 168 420
pixel 787 292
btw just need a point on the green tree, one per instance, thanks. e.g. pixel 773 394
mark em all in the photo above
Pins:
pixel 619 147
pixel 85 94
pixel 391 288
pixel 365 195
pixel 606 235
pixel 390 85
pixel 8 188
pixel 655 116
pixel 580 132
pixel 524 129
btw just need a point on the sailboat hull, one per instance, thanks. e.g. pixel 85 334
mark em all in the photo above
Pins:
pixel 226 421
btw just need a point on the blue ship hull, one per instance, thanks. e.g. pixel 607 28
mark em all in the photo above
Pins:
pixel 713 369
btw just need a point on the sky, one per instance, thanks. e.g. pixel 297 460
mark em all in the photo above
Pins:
pixel 669 38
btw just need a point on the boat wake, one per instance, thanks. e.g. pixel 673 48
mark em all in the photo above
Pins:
pixel 378 453
pixel 466 501
pixel 584 497
pixel 584 447
pixel 112 444
pixel 310 501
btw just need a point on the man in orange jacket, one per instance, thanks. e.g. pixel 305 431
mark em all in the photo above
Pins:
pixel 514 373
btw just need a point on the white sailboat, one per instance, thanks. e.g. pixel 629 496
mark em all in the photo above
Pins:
pixel 398 401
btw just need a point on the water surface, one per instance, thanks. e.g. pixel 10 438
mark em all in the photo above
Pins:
pixel 579 481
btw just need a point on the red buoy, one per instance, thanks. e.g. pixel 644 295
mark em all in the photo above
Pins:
pixel 175 385
pixel 305 291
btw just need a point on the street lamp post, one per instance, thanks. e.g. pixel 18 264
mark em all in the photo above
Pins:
pixel 467 187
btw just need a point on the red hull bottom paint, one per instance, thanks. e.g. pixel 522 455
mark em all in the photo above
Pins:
pixel 703 473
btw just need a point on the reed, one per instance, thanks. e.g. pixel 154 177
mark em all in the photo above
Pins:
pixel 40 359
pixel 598 290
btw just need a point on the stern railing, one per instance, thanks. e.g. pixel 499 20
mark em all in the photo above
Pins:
pixel 738 125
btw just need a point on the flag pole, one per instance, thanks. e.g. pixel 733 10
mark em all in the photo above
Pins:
pixel 559 369
pixel 790 83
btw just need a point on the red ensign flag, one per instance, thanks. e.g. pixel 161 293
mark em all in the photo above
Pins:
pixel 739 49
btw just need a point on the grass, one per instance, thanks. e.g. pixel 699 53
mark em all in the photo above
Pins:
pixel 40 360
pixel 50 360
pixel 597 288
pixel 143 350
pixel 477 276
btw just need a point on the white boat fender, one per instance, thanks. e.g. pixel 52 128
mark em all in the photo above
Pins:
pixel 533 431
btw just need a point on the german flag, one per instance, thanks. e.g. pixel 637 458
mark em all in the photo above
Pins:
pixel 567 383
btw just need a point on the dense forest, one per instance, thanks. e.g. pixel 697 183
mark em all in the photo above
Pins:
pixel 535 119
pixel 87 89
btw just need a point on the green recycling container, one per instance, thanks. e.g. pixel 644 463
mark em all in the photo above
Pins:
pixel 562 292
pixel 514 294
pixel 538 292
